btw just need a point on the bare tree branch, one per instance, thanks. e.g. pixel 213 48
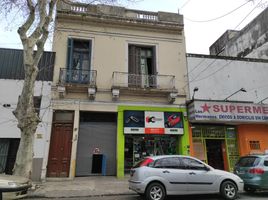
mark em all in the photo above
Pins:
pixel 22 31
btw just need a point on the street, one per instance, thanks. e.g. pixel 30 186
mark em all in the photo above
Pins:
pixel 244 196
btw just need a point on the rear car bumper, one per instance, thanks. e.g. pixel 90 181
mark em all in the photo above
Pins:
pixel 136 186
pixel 255 183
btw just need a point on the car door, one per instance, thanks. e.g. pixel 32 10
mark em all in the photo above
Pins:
pixel 200 178
pixel 265 174
pixel 170 170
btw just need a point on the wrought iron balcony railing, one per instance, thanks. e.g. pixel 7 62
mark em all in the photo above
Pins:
pixel 86 77
pixel 143 81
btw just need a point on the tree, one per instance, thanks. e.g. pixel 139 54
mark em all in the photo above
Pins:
pixel 33 32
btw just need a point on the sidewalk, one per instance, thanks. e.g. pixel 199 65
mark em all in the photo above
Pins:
pixel 81 187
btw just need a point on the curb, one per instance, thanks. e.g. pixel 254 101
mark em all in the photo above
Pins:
pixel 42 196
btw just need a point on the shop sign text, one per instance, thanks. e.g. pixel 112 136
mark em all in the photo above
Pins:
pixel 227 111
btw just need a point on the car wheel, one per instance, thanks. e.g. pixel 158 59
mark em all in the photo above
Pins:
pixel 228 190
pixel 155 191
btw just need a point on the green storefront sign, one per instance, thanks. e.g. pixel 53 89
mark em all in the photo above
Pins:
pixel 160 127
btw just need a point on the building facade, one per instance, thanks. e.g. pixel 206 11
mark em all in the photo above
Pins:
pixel 249 42
pixel 228 112
pixel 117 91
pixel 11 83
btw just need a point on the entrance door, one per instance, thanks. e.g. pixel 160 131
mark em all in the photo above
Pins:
pixel 214 153
pixel 60 150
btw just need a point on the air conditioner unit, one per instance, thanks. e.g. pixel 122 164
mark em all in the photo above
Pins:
pixel 115 94
pixel 172 97
pixel 61 91
pixel 91 93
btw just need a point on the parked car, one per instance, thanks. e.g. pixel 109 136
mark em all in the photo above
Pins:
pixel 13 187
pixel 158 176
pixel 253 169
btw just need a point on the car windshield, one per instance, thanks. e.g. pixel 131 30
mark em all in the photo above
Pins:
pixel 249 161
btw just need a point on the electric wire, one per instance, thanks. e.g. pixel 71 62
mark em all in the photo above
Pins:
pixel 216 18
pixel 248 14
pixel 194 79
pixel 185 4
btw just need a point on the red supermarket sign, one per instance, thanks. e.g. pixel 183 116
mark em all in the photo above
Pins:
pixel 227 111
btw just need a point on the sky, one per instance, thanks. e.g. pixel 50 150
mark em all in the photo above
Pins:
pixel 204 20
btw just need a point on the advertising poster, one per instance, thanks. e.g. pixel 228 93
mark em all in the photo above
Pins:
pixel 173 123
pixel 134 122
pixel 150 122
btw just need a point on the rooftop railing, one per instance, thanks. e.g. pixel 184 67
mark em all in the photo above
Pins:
pixel 121 12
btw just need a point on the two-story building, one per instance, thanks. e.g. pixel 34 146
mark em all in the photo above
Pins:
pixel 117 91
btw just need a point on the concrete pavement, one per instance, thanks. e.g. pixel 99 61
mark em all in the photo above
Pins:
pixel 81 187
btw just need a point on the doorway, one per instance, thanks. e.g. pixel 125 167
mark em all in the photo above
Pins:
pixel 60 150
pixel 215 153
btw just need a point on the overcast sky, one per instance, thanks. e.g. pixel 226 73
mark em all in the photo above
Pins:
pixel 204 20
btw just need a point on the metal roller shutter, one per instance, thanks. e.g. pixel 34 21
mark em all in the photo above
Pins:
pixel 93 135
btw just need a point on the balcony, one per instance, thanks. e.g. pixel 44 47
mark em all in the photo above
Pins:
pixel 160 85
pixel 77 81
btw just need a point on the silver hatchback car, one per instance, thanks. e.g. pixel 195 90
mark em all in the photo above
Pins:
pixel 158 176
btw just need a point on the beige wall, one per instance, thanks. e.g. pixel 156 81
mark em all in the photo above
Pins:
pixel 110 52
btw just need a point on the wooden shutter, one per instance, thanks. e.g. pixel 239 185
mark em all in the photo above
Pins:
pixel 69 53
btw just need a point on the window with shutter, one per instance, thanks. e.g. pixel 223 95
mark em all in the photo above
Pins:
pixel 78 60
pixel 141 66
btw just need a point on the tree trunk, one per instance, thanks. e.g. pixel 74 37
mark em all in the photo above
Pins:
pixel 27 118
pixel 25 111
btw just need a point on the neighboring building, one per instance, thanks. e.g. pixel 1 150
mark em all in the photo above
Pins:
pixel 11 83
pixel 228 114
pixel 117 93
pixel 250 42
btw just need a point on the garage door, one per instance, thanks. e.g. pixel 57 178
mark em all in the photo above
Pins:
pixel 92 136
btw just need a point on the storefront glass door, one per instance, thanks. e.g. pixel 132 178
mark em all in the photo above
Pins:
pixel 211 140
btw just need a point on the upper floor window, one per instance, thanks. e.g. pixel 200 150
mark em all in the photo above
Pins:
pixel 142 65
pixel 78 60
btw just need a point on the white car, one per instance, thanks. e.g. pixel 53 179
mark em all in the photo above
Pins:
pixel 13 187
pixel 158 176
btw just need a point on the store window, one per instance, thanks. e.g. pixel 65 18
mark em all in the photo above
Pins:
pixel 137 147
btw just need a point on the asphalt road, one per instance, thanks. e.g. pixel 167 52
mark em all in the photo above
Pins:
pixel 244 196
